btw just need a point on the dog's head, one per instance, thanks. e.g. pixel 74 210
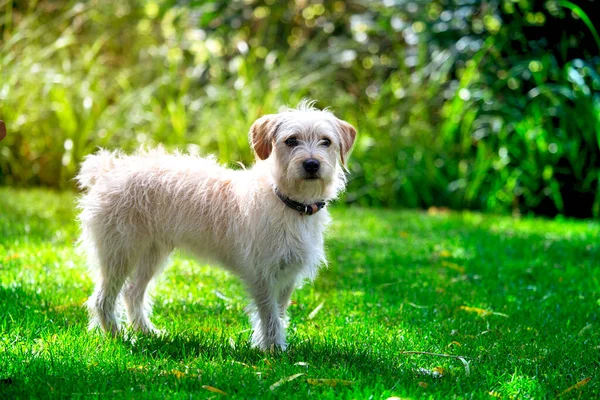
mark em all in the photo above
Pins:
pixel 307 147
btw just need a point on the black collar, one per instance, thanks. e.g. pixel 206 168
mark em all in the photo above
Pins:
pixel 303 209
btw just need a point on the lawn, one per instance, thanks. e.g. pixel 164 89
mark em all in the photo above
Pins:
pixel 516 302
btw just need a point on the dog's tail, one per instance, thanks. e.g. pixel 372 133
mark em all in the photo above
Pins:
pixel 94 166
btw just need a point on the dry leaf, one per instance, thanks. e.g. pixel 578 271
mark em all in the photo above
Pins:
pixel 244 364
pixel 214 389
pixel 329 382
pixel 444 253
pixel 137 368
pixel 453 266
pixel 482 312
pixel 423 384
pixel 284 380
pixel 12 257
pixel 177 374
pixel 460 358
pixel 577 386
pixel 479 311
pixel 584 330
pixel 438 210
pixel 454 342
pixel 316 310
pixel 416 305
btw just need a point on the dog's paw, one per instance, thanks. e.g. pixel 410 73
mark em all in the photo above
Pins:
pixel 268 345
pixel 270 348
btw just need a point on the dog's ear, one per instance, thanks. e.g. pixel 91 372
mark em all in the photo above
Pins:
pixel 347 136
pixel 262 134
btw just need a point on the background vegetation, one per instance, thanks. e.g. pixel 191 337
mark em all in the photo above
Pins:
pixel 489 105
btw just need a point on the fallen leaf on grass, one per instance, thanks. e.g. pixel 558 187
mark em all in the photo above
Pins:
pixel 213 389
pixel 453 266
pixel 479 311
pixel 284 380
pixel 460 358
pixel 244 364
pixel 390 283
pixel 316 310
pixel 329 382
pixel 454 342
pixel 177 374
pixel 576 386
pixel 416 305
pixel 482 312
pixel 12 257
pixel 423 384
pixel 444 254
pixel 584 330
pixel 438 210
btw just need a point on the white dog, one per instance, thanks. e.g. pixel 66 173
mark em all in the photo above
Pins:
pixel 263 224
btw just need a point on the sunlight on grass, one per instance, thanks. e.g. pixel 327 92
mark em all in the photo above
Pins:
pixel 412 305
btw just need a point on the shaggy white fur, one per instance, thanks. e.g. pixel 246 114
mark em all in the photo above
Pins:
pixel 138 208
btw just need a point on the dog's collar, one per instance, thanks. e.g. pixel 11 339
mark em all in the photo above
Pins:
pixel 303 209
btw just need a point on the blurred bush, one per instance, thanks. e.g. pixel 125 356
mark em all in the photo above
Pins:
pixel 488 105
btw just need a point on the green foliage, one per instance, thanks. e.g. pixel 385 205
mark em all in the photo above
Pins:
pixel 525 322
pixel 483 105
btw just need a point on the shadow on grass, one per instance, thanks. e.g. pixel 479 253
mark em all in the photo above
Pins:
pixel 33 320
pixel 433 266
pixel 29 311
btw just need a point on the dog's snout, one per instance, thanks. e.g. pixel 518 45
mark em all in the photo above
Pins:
pixel 311 165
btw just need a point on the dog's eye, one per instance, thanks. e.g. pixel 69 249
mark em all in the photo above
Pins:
pixel 291 142
pixel 326 142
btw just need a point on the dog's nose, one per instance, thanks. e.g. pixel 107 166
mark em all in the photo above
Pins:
pixel 311 165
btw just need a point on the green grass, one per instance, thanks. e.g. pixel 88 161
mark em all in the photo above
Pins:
pixel 398 281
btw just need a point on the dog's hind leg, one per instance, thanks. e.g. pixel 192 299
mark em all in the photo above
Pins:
pixel 137 301
pixel 116 261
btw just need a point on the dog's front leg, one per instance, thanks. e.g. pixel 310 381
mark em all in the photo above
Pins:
pixel 269 333
pixel 283 300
